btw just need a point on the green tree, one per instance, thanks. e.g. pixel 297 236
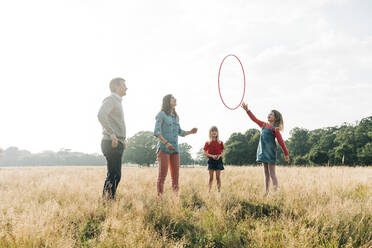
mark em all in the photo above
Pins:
pixel 365 154
pixel 201 159
pixel 241 148
pixel 363 139
pixel 300 160
pixel 363 132
pixel 327 143
pixel 345 145
pixel 344 154
pixel 185 155
pixel 318 156
pixel 298 143
pixel 235 149
pixel 141 149
pixel 314 136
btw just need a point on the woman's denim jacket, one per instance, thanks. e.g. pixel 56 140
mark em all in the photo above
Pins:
pixel 168 126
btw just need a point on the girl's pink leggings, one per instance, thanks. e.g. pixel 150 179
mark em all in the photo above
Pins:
pixel 173 161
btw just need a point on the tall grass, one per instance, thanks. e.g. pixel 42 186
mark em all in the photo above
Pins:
pixel 61 207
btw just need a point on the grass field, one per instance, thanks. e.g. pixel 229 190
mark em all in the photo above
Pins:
pixel 61 207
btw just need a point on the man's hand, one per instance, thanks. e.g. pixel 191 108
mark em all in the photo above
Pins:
pixel 115 141
pixel 194 130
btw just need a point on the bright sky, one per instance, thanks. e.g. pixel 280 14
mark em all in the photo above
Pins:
pixel 311 60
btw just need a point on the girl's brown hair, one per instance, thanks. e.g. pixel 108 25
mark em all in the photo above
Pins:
pixel 214 128
pixel 278 119
pixel 166 107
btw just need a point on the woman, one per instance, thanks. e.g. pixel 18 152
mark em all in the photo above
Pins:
pixel 167 130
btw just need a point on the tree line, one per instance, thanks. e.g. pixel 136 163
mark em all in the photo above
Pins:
pixel 348 144
pixel 344 145
pixel 13 156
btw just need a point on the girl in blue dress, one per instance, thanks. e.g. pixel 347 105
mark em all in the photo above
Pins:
pixel 266 151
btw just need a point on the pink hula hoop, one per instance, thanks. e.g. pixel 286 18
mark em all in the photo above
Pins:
pixel 219 89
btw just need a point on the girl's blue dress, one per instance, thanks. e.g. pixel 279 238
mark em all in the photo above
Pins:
pixel 266 151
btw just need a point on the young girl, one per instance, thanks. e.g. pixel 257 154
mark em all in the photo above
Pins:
pixel 213 149
pixel 266 151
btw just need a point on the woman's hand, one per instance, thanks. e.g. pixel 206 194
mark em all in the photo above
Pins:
pixel 245 106
pixel 286 158
pixel 194 130
pixel 169 146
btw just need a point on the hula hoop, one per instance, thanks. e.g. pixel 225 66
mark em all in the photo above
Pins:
pixel 219 88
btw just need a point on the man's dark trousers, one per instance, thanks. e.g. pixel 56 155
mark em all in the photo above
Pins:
pixel 113 156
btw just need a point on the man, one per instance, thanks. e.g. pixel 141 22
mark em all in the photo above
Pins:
pixel 111 117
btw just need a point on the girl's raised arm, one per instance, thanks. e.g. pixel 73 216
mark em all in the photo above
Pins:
pixel 251 115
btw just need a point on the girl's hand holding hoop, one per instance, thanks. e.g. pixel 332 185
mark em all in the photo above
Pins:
pixel 245 106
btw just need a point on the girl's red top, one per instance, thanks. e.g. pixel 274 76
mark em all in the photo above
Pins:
pixel 213 147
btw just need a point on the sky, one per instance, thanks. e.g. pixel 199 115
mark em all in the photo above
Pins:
pixel 311 60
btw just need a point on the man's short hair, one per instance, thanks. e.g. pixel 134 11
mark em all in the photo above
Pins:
pixel 114 83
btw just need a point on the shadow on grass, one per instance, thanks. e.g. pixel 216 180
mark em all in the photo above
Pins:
pixel 88 229
pixel 192 201
pixel 243 209
pixel 173 228
pixel 188 229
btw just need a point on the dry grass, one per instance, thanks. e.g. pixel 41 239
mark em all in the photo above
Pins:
pixel 61 207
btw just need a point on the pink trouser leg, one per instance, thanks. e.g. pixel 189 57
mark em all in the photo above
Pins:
pixel 163 160
pixel 174 167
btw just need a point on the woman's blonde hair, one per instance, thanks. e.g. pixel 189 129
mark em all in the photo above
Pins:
pixel 278 119
pixel 214 128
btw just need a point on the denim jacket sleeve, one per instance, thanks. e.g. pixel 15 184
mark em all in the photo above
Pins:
pixel 159 121
pixel 180 131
